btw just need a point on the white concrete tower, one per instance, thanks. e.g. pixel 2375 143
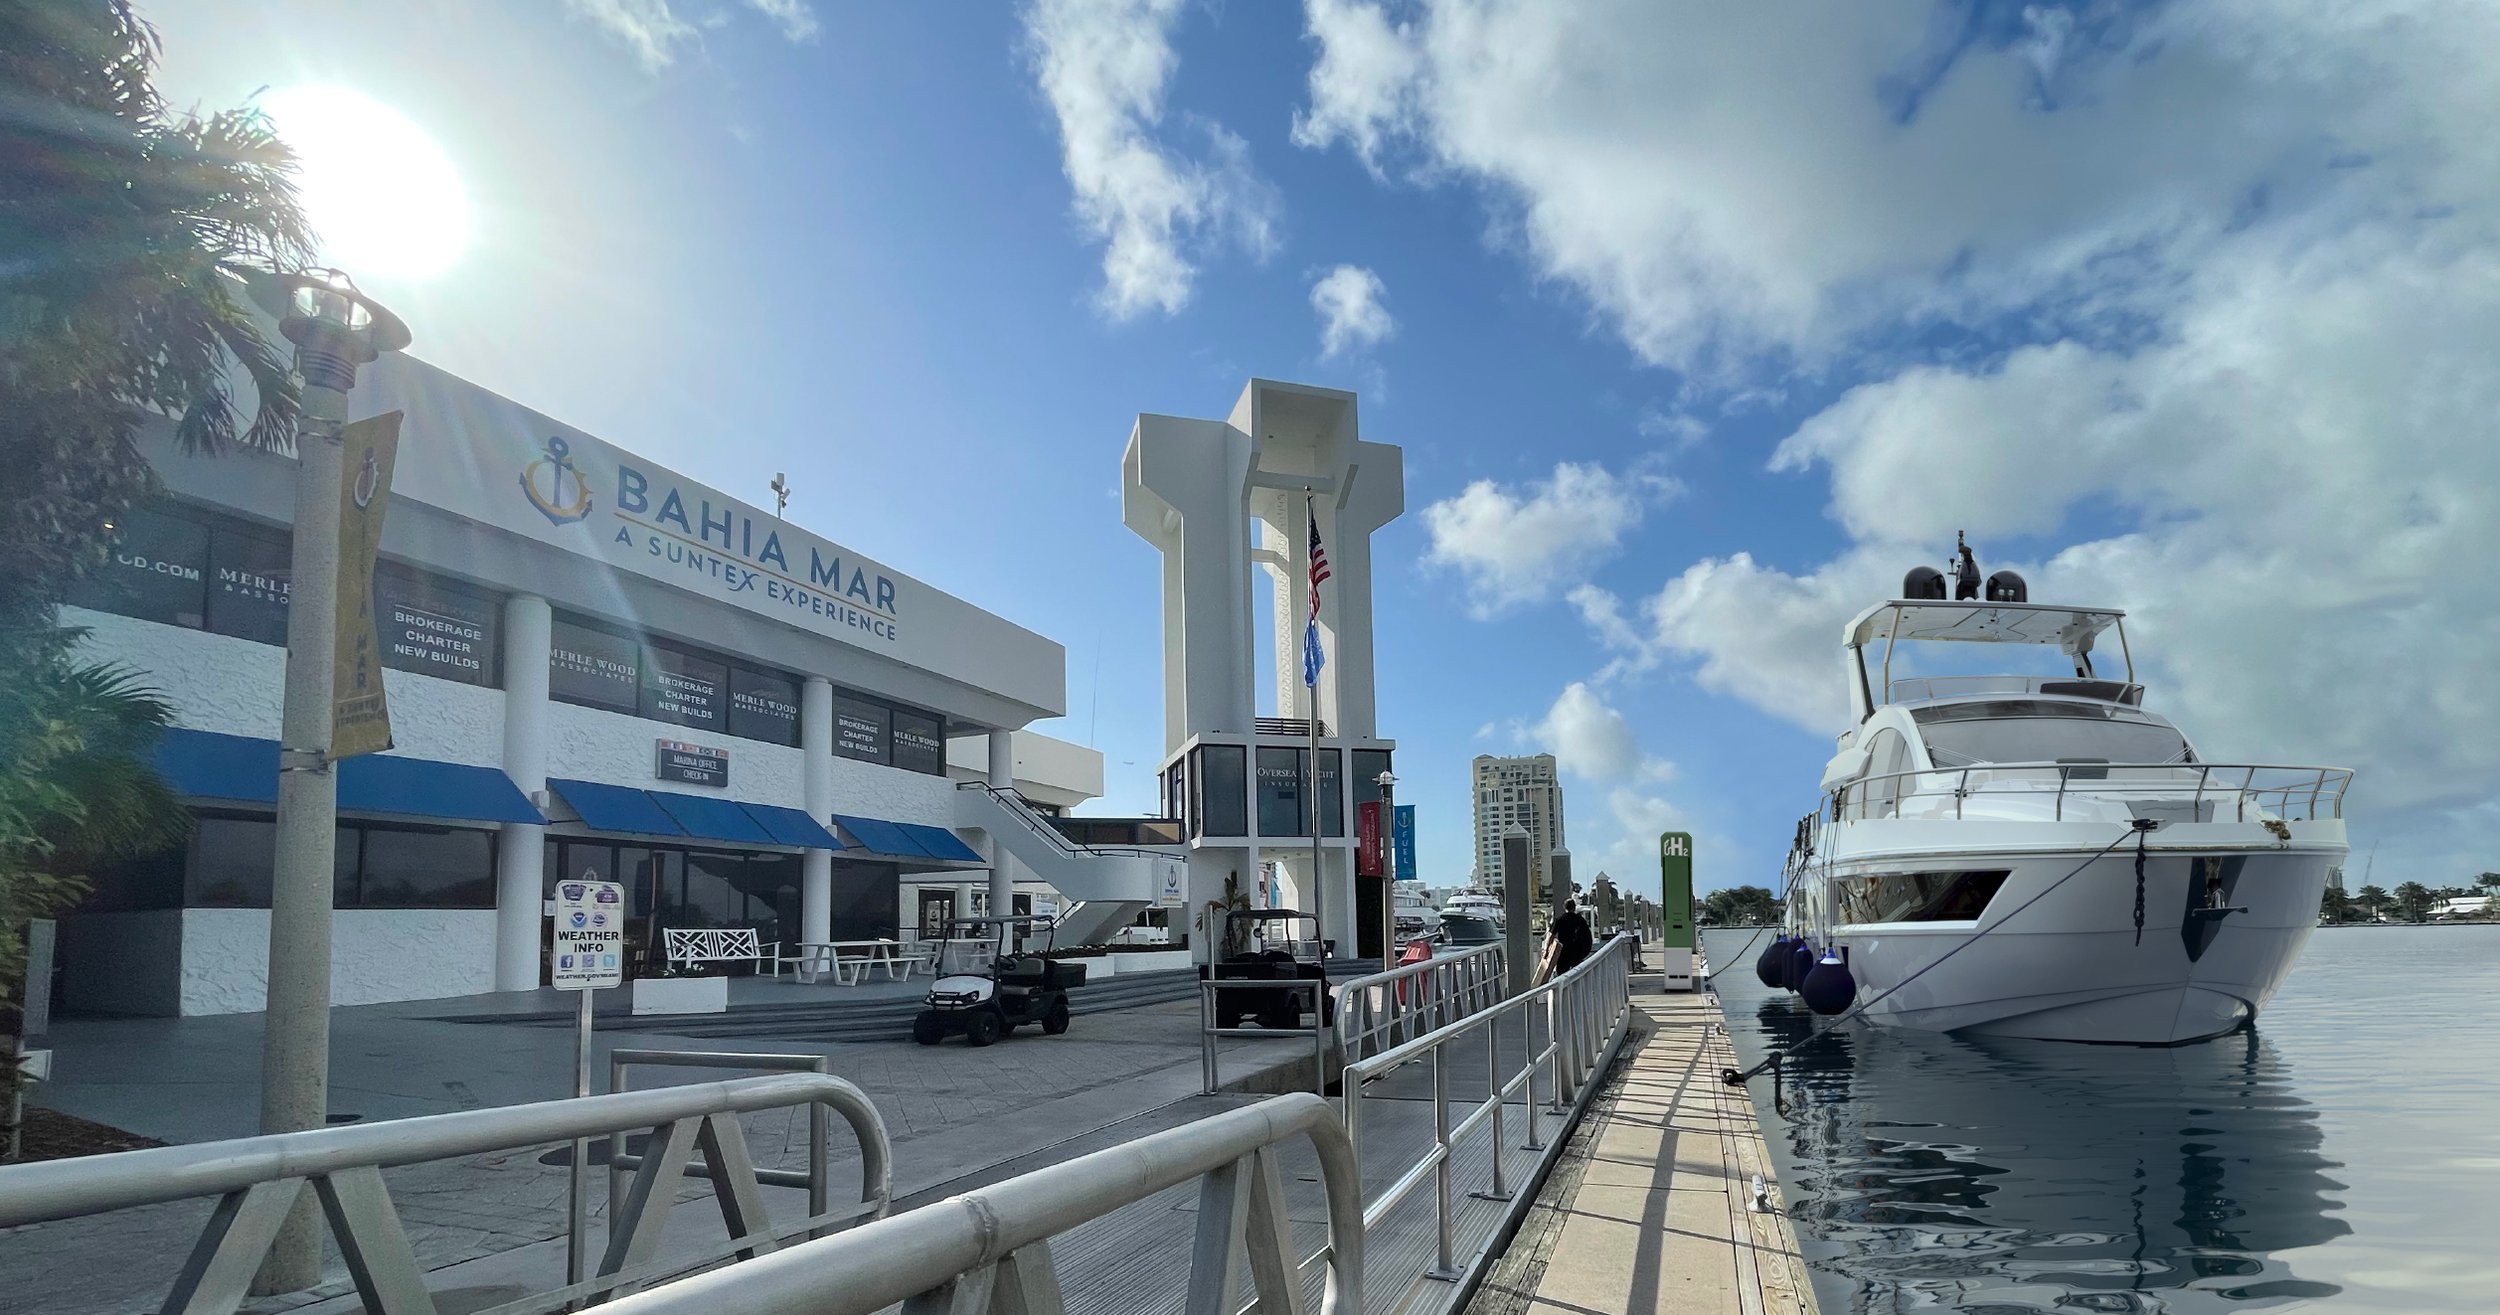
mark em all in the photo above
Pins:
pixel 1200 491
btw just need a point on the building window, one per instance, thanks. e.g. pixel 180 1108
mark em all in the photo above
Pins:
pixel 434 628
pixel 763 706
pixel 684 689
pixel 592 667
pixel 919 742
pixel 425 868
pixel 158 571
pixel 1223 790
pixel 1282 811
pixel 375 865
pixel 862 729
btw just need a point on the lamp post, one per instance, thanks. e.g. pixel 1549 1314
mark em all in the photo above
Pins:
pixel 335 328
pixel 1388 783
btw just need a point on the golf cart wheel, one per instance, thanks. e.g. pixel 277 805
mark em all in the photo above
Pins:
pixel 982 1027
pixel 928 1029
pixel 1286 1017
pixel 1056 1021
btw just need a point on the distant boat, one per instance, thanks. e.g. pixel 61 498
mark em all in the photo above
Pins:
pixel 1977 845
pixel 1475 903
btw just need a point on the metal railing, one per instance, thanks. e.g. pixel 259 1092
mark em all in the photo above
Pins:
pixel 815 1179
pixel 1033 821
pixel 257 1181
pixel 989 1249
pixel 1585 1012
pixel 1919 689
pixel 2098 792
pixel 1312 994
pixel 1389 1008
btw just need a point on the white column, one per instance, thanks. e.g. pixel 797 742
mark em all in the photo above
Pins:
pixel 521 860
pixel 1002 864
pixel 816 871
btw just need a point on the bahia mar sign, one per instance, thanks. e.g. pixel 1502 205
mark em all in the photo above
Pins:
pixel 495 461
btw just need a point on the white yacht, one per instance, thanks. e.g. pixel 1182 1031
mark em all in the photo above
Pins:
pixel 1474 903
pixel 1413 914
pixel 2040 856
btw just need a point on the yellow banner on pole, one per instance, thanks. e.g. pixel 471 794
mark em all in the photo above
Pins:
pixel 360 717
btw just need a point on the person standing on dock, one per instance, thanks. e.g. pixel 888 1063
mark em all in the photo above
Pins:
pixel 1567 942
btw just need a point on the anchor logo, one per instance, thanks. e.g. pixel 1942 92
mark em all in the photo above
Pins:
pixel 368 481
pixel 553 503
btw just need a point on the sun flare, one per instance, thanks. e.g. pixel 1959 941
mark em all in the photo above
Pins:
pixel 382 197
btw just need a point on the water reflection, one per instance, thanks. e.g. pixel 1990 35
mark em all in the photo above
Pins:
pixel 1999 1175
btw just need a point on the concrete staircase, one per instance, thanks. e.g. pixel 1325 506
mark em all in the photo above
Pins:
pixel 1108 885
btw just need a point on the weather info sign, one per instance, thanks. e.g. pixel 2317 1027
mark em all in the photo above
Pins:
pixel 590 935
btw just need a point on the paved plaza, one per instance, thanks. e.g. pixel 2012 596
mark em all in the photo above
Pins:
pixel 951 1110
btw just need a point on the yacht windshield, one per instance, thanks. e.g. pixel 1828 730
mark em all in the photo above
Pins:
pixel 2042 731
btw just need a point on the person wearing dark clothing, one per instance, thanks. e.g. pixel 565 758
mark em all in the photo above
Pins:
pixel 1568 941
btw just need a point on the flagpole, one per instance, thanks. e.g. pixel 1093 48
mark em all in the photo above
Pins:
pixel 1319 898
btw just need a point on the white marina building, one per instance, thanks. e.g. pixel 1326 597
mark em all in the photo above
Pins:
pixel 595 666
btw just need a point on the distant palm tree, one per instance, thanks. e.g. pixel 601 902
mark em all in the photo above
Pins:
pixel 2488 883
pixel 2372 899
pixel 2334 906
pixel 2413 899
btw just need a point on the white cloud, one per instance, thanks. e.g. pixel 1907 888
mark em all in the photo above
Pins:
pixel 795 18
pixel 1591 740
pixel 1516 547
pixel 1719 181
pixel 1351 316
pixel 1678 428
pixel 653 32
pixel 649 28
pixel 1104 66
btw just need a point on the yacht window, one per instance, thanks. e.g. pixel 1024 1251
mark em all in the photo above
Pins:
pixel 1468 929
pixel 2041 731
pixel 1918 896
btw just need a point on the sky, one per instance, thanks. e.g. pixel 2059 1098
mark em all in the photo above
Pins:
pixel 1699 325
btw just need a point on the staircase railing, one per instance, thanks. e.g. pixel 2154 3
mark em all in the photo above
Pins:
pixel 1034 822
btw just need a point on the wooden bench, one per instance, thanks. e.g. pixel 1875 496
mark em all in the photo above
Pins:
pixel 721 945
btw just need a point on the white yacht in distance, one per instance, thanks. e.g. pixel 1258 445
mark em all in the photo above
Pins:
pixel 1475 903
pixel 2041 856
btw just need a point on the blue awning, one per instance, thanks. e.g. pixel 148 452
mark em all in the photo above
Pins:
pixel 938 842
pixel 708 818
pixel 616 808
pixel 789 826
pixel 241 769
pixel 880 836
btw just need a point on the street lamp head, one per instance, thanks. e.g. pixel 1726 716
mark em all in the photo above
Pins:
pixel 334 325
pixel 1385 780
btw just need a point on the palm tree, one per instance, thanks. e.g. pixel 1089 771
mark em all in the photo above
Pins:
pixel 2372 899
pixel 2414 899
pixel 124 227
pixel 2334 906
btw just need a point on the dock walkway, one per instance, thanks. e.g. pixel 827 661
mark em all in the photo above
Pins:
pixel 1646 1211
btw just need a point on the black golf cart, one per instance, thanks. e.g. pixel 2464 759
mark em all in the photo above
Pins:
pixel 989 983
pixel 1269 945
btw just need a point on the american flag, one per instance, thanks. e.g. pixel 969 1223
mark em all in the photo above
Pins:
pixel 1312 658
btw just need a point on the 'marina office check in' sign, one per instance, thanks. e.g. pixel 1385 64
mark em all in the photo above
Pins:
pixel 589 941
pixel 690 764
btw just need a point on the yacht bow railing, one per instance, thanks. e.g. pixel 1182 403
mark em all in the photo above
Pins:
pixel 2183 792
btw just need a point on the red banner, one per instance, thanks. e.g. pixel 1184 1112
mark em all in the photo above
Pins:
pixel 1367 839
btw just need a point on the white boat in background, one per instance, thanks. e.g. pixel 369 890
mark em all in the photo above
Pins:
pixel 1474 903
pixel 2037 856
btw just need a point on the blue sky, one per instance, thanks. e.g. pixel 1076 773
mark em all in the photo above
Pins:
pixel 1698 327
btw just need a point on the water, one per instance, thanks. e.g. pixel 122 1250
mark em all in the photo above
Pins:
pixel 2344 1156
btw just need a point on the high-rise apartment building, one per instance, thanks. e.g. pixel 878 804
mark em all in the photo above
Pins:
pixel 1517 792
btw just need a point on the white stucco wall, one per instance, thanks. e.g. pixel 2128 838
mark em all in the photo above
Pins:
pixel 123 963
pixel 376 956
pixel 235 687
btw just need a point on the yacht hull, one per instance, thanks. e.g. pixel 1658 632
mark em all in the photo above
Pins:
pixel 2059 957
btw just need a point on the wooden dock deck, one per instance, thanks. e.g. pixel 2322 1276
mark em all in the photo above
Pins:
pixel 1646 1211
